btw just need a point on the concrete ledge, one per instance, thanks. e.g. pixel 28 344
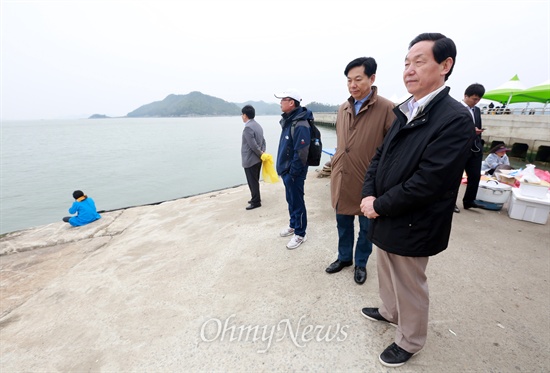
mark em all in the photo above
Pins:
pixel 533 130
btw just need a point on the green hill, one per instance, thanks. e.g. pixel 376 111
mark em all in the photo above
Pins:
pixel 199 104
pixel 317 107
pixel 263 108
pixel 192 104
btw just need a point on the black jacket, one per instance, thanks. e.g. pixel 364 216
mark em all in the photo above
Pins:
pixel 415 176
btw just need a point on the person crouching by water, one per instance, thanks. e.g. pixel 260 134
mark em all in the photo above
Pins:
pixel 84 208
pixel 497 157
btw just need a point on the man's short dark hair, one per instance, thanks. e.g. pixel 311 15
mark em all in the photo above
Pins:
pixel 296 103
pixel 368 62
pixel 249 111
pixel 475 89
pixel 442 49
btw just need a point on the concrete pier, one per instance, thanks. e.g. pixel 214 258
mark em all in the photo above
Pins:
pixel 533 130
pixel 200 284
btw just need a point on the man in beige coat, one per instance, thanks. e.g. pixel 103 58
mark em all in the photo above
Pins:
pixel 362 122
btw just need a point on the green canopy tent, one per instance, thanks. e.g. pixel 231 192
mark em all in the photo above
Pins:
pixel 506 92
pixel 538 93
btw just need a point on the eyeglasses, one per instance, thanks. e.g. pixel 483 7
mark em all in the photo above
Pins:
pixel 286 99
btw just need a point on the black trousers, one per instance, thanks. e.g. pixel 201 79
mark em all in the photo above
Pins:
pixel 473 171
pixel 253 179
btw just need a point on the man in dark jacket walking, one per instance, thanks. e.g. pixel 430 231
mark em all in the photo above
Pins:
pixel 292 163
pixel 410 191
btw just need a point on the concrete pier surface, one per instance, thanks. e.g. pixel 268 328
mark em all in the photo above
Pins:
pixel 200 284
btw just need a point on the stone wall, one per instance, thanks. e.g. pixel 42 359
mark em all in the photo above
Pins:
pixel 533 130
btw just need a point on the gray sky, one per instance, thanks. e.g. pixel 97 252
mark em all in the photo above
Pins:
pixel 72 59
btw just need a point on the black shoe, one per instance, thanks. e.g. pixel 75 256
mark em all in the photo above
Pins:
pixel 394 356
pixel 253 206
pixel 471 205
pixel 360 275
pixel 457 210
pixel 374 315
pixel 337 266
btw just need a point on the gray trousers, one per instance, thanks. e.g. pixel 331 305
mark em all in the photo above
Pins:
pixel 405 297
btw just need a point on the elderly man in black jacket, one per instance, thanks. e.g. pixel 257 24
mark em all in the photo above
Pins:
pixel 410 191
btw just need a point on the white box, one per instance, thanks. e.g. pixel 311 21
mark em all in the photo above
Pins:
pixel 528 208
pixel 493 191
pixel 533 190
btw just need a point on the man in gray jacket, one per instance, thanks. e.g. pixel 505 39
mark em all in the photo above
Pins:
pixel 252 148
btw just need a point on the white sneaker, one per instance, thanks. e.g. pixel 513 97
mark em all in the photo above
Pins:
pixel 287 232
pixel 295 241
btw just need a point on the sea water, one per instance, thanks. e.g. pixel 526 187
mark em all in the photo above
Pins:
pixel 119 162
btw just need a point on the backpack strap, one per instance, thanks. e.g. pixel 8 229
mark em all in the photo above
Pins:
pixel 293 126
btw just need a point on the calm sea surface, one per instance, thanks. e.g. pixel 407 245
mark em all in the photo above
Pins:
pixel 119 162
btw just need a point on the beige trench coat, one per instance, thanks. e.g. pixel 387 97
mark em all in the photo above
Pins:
pixel 358 136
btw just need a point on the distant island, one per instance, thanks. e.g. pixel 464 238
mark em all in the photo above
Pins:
pixel 98 116
pixel 198 104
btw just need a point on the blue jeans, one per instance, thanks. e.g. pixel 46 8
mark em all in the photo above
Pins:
pixel 363 249
pixel 294 188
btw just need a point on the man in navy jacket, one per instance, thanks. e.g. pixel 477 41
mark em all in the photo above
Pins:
pixel 292 163
pixel 410 191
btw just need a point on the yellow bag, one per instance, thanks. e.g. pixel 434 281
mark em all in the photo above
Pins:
pixel 268 169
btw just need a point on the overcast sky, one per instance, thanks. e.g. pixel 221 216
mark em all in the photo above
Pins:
pixel 72 59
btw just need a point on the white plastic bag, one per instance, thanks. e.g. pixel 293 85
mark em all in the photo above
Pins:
pixel 528 175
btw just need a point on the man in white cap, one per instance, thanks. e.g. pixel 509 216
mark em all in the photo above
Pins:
pixel 292 162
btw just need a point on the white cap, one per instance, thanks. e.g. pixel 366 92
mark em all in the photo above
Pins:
pixel 292 93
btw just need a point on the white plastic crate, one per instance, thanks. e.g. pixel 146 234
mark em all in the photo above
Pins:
pixel 528 208
pixel 533 190
pixel 493 191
